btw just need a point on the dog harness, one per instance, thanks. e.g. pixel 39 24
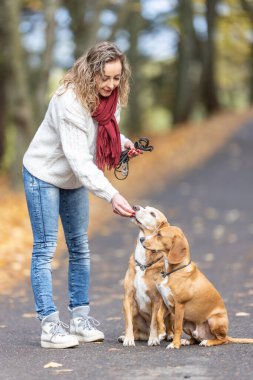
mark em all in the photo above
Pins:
pixel 164 274
pixel 144 267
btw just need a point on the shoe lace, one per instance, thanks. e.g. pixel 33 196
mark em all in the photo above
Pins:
pixel 88 322
pixel 58 328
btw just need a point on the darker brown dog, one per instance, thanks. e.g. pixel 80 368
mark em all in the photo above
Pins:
pixel 143 306
pixel 195 304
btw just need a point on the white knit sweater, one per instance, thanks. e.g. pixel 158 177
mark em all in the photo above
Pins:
pixel 62 151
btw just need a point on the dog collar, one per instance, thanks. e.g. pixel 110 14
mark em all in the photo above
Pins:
pixel 144 267
pixel 164 274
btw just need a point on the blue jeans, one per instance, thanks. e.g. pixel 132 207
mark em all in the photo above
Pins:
pixel 45 203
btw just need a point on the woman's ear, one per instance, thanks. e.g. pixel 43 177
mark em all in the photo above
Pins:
pixel 178 250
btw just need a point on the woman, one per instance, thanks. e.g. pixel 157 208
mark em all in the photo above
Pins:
pixel 77 140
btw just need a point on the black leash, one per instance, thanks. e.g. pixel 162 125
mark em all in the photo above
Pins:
pixel 122 170
pixel 164 274
pixel 144 267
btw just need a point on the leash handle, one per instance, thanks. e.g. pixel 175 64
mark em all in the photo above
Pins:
pixel 143 144
pixel 122 169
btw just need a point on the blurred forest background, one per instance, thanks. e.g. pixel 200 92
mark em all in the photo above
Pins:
pixel 192 72
pixel 189 59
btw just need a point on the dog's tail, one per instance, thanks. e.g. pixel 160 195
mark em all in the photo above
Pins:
pixel 240 340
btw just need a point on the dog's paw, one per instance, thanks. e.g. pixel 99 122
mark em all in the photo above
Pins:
pixel 170 346
pixel 121 338
pixel 128 341
pixel 169 337
pixel 162 337
pixel 154 341
pixel 173 345
pixel 204 343
pixel 185 342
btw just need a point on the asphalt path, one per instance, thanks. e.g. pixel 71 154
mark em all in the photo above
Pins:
pixel 213 205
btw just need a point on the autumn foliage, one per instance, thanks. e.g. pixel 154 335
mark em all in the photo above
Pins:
pixel 176 152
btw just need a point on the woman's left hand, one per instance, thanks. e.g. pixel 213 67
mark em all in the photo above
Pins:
pixel 132 151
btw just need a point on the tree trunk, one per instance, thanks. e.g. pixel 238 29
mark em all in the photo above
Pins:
pixel 134 24
pixel 185 92
pixel 248 7
pixel 85 31
pixel 19 97
pixel 208 82
pixel 3 77
pixel 50 7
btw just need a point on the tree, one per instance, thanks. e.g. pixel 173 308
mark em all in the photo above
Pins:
pixel 134 24
pixel 23 105
pixel 3 81
pixel 208 85
pixel 50 7
pixel 85 22
pixel 19 100
pixel 248 7
pixel 185 83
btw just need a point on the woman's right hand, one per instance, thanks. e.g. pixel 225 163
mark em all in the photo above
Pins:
pixel 121 207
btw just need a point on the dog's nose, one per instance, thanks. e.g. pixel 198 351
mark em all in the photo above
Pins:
pixel 136 208
pixel 142 239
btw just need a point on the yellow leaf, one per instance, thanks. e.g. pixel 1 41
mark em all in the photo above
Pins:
pixel 114 349
pixel 113 318
pixel 52 365
pixel 29 315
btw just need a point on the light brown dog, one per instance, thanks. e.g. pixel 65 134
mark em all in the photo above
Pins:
pixel 195 304
pixel 143 306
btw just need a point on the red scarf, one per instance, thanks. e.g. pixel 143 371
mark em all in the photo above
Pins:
pixel 108 135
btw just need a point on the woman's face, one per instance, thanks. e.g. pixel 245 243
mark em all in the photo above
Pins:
pixel 110 78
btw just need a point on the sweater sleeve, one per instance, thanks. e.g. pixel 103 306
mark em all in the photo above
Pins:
pixel 123 140
pixel 75 147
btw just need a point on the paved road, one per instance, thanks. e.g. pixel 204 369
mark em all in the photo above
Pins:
pixel 213 204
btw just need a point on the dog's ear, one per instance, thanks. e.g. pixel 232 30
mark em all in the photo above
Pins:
pixel 164 223
pixel 178 250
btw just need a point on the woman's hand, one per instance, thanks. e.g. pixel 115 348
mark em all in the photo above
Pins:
pixel 121 207
pixel 132 152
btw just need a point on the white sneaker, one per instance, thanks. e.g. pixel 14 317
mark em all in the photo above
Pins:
pixel 83 326
pixel 54 334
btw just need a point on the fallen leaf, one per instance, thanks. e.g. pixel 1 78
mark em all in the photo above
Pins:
pixel 219 232
pixel 239 295
pixel 232 238
pixel 114 349
pixel 52 365
pixel 113 318
pixel 211 213
pixel 209 257
pixel 248 285
pixel 242 314
pixel 58 371
pixel 120 253
pixel 29 315
pixel 232 216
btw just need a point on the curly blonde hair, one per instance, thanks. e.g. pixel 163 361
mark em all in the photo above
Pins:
pixel 82 75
